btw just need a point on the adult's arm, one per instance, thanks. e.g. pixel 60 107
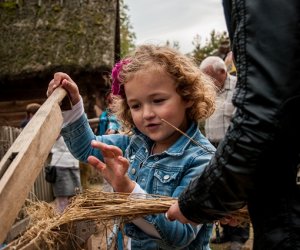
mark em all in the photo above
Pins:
pixel 265 38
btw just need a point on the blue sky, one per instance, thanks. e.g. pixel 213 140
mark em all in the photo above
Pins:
pixel 156 21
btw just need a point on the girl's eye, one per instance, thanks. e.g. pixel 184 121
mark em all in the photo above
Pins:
pixel 158 100
pixel 135 106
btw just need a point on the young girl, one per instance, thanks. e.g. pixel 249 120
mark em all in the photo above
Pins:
pixel 156 90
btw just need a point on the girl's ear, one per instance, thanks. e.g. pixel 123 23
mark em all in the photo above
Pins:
pixel 189 104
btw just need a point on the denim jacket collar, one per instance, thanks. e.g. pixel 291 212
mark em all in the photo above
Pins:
pixel 178 147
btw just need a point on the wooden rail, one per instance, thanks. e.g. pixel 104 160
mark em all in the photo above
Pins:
pixel 24 160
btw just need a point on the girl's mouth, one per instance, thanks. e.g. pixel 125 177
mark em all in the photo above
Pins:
pixel 152 126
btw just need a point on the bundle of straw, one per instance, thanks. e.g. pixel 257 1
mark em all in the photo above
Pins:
pixel 92 205
pixel 46 225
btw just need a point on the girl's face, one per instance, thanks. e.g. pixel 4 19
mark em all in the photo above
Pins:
pixel 151 95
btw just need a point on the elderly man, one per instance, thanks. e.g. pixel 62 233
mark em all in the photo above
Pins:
pixel 215 129
pixel 217 124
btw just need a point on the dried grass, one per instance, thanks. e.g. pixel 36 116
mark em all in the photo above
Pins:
pixel 51 228
pixel 46 225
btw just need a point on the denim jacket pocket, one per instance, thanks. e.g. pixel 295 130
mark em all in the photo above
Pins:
pixel 165 182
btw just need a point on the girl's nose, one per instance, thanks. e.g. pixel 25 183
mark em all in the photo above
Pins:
pixel 148 112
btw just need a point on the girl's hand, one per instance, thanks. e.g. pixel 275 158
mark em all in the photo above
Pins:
pixel 114 170
pixel 61 79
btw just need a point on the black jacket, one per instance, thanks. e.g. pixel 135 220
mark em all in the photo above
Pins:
pixel 256 163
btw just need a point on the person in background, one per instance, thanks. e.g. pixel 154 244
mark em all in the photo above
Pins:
pixel 215 128
pixel 231 69
pixel 108 123
pixel 31 109
pixel 216 125
pixel 157 91
pixel 258 161
pixel 65 174
pixel 223 49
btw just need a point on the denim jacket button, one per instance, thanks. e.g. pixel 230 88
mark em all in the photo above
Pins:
pixel 167 177
pixel 133 170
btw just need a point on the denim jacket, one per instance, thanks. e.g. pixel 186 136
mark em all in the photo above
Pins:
pixel 166 174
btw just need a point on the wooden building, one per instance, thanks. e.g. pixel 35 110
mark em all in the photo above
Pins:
pixel 40 37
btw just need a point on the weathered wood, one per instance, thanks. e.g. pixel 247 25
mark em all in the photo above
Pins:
pixel 17 229
pixel 7 137
pixel 13 115
pixel 23 161
pixel 13 112
pixel 17 105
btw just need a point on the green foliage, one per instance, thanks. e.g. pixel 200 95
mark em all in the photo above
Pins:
pixel 127 35
pixel 9 5
pixel 56 7
pixel 210 46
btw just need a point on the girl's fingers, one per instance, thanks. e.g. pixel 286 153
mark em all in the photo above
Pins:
pixel 96 163
pixel 72 90
pixel 107 150
pixel 124 162
pixel 65 81
pixel 58 77
pixel 112 149
pixel 103 147
pixel 50 88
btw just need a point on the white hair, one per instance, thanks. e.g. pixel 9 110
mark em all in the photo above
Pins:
pixel 215 62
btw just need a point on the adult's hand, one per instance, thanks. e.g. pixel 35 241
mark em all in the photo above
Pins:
pixel 174 213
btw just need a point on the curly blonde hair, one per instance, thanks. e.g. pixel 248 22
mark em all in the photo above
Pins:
pixel 191 83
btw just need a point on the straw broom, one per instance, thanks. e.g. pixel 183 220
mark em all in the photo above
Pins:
pixel 49 227
pixel 46 225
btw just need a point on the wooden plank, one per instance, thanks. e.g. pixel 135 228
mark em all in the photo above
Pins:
pixel 17 229
pixel 24 160
pixel 12 119
pixel 18 105
pixel 13 123
pixel 11 114
pixel 14 111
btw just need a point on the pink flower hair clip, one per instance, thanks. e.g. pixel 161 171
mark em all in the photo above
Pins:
pixel 116 84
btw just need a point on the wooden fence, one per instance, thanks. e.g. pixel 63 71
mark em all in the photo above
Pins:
pixel 41 189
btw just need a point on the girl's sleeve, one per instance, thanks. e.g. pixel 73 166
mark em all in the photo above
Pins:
pixel 79 135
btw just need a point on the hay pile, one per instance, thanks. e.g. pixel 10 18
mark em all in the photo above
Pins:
pixel 47 228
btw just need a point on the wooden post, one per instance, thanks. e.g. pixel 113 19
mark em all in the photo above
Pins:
pixel 24 160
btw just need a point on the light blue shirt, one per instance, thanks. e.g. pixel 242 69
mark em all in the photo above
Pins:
pixel 107 121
